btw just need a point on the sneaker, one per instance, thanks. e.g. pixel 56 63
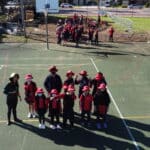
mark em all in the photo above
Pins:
pixel 58 126
pixel 29 115
pixel 9 123
pixel 43 126
pixel 105 125
pixel 40 126
pixel 34 115
pixel 52 127
pixel 98 125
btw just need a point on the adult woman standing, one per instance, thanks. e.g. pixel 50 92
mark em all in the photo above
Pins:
pixel 12 92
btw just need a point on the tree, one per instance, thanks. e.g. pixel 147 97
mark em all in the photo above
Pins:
pixel 2 4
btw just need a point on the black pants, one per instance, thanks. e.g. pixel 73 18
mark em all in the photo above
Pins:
pixel 68 115
pixel 83 113
pixel 111 39
pixel 80 91
pixel 41 113
pixel 96 41
pixel 54 113
pixel 59 40
pixel 12 108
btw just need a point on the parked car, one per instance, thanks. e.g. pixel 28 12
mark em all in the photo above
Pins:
pixel 107 4
pixel 135 6
pixel 66 5
pixel 11 28
pixel 11 4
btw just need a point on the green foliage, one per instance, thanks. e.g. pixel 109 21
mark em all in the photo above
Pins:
pixel 147 4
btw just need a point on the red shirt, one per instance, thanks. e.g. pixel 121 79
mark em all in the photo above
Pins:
pixel 30 90
pixel 86 102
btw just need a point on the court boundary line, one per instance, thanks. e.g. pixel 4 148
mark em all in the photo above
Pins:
pixel 1 67
pixel 41 65
pixel 119 112
pixel 126 117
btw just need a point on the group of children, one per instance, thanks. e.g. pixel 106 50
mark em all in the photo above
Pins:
pixel 58 103
pixel 73 28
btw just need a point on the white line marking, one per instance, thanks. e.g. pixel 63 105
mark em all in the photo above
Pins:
pixel 24 139
pixel 1 67
pixel 48 58
pixel 41 65
pixel 121 116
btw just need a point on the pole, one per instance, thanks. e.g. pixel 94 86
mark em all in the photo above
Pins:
pixel 46 24
pixel 22 17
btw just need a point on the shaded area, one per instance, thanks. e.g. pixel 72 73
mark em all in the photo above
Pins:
pixel 93 138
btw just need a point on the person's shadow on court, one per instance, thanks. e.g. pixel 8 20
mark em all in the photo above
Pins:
pixel 86 138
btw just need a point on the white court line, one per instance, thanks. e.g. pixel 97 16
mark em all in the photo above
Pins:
pixel 1 67
pixel 121 116
pixel 48 58
pixel 31 65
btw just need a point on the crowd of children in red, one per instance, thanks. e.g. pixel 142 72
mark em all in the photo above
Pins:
pixel 56 102
pixel 73 28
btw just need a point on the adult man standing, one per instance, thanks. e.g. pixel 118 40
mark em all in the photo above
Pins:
pixel 53 80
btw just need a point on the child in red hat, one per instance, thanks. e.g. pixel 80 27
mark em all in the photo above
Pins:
pixel 69 80
pixel 68 104
pixel 41 105
pixel 30 89
pixel 86 104
pixel 82 81
pixel 101 101
pixel 55 108
pixel 96 81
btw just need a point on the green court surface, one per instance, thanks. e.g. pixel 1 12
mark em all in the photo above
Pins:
pixel 127 71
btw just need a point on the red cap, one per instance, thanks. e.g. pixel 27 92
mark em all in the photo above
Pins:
pixel 98 76
pixel 69 72
pixel 86 88
pixel 83 73
pixel 53 69
pixel 54 91
pixel 102 86
pixel 65 87
pixel 39 90
pixel 71 89
pixel 28 76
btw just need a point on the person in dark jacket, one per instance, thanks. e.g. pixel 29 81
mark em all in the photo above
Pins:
pixel 69 80
pixel 53 81
pixel 96 81
pixel 41 105
pixel 30 89
pixel 12 92
pixel 83 81
pixel 68 104
pixel 101 101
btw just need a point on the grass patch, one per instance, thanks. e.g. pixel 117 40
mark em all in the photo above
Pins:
pixel 141 24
